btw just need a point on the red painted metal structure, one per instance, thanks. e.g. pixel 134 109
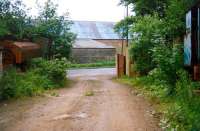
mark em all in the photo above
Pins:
pixel 17 53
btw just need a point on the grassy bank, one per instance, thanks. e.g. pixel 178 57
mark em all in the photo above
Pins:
pixel 92 65
pixel 178 112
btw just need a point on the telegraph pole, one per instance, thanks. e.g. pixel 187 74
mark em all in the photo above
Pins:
pixel 127 27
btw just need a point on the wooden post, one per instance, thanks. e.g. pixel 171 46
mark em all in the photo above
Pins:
pixel 121 65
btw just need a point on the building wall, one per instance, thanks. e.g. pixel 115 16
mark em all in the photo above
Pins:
pixel 91 55
pixel 116 43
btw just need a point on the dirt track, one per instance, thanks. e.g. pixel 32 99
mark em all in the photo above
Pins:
pixel 112 107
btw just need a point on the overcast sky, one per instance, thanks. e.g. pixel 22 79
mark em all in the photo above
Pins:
pixel 93 10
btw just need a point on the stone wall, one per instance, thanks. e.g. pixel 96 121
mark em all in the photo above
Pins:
pixel 91 55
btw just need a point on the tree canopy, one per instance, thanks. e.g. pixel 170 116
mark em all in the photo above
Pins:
pixel 56 29
pixel 14 21
pixel 16 24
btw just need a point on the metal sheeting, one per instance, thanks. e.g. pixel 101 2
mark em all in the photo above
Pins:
pixel 87 43
pixel 94 30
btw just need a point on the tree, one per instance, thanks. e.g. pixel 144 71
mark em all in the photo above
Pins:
pixel 56 29
pixel 174 20
pixel 152 27
pixel 147 34
pixel 147 7
pixel 13 20
pixel 122 27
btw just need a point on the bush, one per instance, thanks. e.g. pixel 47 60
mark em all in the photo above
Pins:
pixel 168 61
pixel 43 75
pixel 146 35
pixel 15 85
pixel 55 70
pixel 8 82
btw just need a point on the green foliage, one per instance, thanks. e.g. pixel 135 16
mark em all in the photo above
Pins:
pixel 147 7
pixel 43 75
pixel 123 26
pixel 169 61
pixel 55 70
pixel 174 20
pixel 14 85
pixel 8 84
pixel 146 35
pixel 62 46
pixel 15 24
pixel 56 29
pixel 156 56
pixel 13 19
pixel 184 113
pixel 180 112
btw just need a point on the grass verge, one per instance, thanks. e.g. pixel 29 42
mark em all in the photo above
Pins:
pixel 177 112
pixel 93 65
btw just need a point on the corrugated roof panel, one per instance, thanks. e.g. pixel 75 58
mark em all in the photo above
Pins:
pixel 94 30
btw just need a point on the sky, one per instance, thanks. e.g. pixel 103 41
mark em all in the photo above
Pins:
pixel 91 10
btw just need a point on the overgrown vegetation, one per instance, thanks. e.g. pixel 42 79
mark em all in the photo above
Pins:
pixel 42 75
pixel 17 25
pixel 157 32
pixel 180 112
pixel 56 29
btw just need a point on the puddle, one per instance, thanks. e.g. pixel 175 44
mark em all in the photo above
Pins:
pixel 68 116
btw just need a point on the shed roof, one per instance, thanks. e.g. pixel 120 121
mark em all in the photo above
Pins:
pixel 94 30
pixel 88 43
pixel 22 50
pixel 26 45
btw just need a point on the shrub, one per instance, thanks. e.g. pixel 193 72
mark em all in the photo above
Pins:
pixel 55 69
pixel 8 82
pixel 146 35
pixel 43 75
pixel 15 85
pixel 168 62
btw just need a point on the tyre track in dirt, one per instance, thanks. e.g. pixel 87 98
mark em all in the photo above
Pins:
pixel 112 108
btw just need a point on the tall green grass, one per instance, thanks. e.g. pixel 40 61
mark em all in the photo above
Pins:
pixel 180 111
pixel 43 75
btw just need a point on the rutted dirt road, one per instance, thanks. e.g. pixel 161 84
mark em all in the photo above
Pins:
pixel 111 107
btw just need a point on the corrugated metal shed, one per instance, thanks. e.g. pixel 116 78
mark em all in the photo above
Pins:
pixel 94 30
pixel 22 50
